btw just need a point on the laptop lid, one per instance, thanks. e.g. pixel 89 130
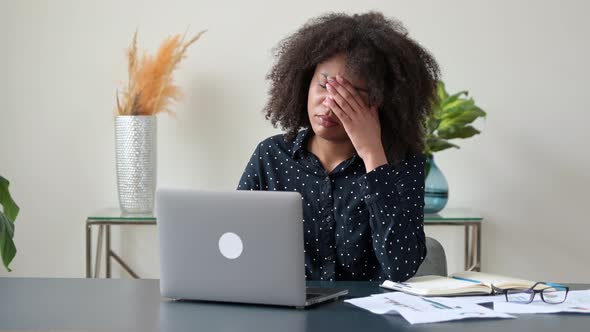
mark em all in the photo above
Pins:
pixel 238 246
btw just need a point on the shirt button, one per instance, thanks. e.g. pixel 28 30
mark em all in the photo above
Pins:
pixel 329 258
pixel 368 196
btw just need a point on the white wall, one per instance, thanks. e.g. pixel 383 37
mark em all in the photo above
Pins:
pixel 523 61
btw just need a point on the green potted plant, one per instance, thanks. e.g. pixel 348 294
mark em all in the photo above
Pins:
pixel 451 119
pixel 8 215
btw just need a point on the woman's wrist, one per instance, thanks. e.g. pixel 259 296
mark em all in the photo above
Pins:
pixel 374 159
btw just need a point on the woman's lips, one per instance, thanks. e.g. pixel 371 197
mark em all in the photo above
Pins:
pixel 327 121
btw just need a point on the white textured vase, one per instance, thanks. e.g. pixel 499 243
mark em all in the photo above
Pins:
pixel 135 145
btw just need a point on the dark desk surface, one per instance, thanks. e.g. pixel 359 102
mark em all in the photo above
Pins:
pixel 136 305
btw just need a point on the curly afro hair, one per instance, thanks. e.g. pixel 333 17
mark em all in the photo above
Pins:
pixel 401 75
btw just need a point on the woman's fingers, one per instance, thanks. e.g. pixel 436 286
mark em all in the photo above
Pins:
pixel 342 115
pixel 342 97
pixel 353 91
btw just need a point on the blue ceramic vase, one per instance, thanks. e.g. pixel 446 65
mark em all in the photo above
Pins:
pixel 436 190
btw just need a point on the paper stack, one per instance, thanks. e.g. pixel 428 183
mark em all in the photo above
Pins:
pixel 417 310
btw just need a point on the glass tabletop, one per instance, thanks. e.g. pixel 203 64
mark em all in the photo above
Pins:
pixel 453 215
pixel 446 215
pixel 117 214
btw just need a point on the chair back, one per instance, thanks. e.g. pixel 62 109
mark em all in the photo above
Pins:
pixel 435 262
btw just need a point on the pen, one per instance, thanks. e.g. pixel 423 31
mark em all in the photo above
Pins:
pixel 470 280
pixel 436 304
pixel 554 284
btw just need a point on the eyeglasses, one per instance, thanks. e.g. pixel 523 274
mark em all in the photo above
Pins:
pixel 550 293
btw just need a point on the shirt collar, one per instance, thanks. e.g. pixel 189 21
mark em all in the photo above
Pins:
pixel 299 147
pixel 299 142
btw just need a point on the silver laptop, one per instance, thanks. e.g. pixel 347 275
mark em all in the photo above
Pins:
pixel 238 246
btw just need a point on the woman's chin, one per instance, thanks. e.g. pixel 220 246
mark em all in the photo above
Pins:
pixel 331 133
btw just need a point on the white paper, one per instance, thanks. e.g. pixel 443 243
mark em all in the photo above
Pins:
pixel 489 278
pixel 577 301
pixel 476 299
pixel 468 299
pixel 426 284
pixel 417 310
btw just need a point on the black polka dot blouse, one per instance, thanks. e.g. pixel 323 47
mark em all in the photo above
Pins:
pixel 357 225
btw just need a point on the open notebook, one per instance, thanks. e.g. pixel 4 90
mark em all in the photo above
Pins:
pixel 460 283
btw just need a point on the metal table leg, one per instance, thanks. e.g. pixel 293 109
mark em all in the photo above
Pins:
pixel 467 256
pixel 124 266
pixel 475 248
pixel 108 251
pixel 104 230
pixel 478 257
pixel 98 251
pixel 88 250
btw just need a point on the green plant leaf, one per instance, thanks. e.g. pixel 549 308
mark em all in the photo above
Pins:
pixel 436 144
pixel 460 119
pixel 7 216
pixel 452 100
pixel 457 106
pixel 431 124
pixel 450 119
pixel 441 92
pixel 458 132
pixel 10 208
pixel 7 247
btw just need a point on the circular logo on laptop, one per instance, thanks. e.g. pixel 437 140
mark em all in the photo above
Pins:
pixel 230 245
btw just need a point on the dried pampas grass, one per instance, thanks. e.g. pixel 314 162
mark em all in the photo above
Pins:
pixel 150 89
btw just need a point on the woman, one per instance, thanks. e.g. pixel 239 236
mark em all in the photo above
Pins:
pixel 352 94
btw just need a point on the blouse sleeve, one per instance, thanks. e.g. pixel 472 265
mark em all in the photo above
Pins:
pixel 395 200
pixel 252 177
